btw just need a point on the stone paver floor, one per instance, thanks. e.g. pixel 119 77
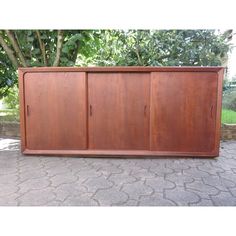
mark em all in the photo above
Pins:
pixel 70 181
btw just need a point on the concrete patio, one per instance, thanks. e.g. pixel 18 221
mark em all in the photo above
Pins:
pixel 70 181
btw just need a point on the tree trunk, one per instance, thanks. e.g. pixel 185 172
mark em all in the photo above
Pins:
pixel 42 47
pixel 60 39
pixel 9 52
pixel 16 47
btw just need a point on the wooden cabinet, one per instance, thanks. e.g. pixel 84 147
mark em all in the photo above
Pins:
pixel 134 111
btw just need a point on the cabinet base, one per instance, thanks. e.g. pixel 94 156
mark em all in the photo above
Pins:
pixel 119 153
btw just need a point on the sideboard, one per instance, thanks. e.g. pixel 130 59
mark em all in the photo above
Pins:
pixel 121 111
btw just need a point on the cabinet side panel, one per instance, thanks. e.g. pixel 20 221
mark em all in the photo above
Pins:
pixel 219 110
pixel 183 111
pixel 22 110
pixel 55 110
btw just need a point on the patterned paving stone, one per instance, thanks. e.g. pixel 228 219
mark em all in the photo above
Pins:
pixel 70 181
pixel 96 163
pixel 178 165
pixel 203 202
pixel 64 178
pixel 30 162
pixel 9 200
pixel 112 196
pixel 159 184
pixel 179 179
pixel 55 203
pixel 8 189
pixel 66 190
pixel 143 174
pixel 95 183
pixel 8 178
pixel 52 171
pixel 108 170
pixel 121 179
pixel 130 202
pixel 219 183
pixel 137 189
pixel 145 163
pixel 156 199
pixel 36 197
pixel 201 189
pixel 224 164
pixel 80 200
pixel 233 191
pixel 208 168
pixel 31 174
pixel 85 174
pixel 181 197
pixel 224 199
pixel 161 169
pixel 195 173
pixel 8 170
pixel 229 175
pixel 34 184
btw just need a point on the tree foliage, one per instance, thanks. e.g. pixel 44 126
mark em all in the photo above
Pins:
pixel 20 48
pixel 29 48
pixel 159 48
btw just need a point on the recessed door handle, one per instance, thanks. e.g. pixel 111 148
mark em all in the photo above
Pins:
pixel 27 110
pixel 90 110
pixel 212 111
pixel 145 110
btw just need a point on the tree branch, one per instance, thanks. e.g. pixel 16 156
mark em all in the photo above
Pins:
pixel 16 47
pixel 138 56
pixel 9 52
pixel 60 40
pixel 3 91
pixel 42 47
pixel 137 50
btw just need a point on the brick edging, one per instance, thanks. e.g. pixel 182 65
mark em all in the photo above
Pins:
pixel 9 129
pixel 228 132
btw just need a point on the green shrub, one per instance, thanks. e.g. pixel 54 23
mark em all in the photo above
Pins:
pixel 11 101
pixel 229 100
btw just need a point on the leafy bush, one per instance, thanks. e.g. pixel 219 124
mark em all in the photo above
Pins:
pixel 11 101
pixel 229 100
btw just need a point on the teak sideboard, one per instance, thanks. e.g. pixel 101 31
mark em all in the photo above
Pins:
pixel 134 111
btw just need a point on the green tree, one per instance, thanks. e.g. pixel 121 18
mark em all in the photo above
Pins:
pixel 159 48
pixel 21 48
pixel 28 48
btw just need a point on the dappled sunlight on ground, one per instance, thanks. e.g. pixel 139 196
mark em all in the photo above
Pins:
pixel 9 144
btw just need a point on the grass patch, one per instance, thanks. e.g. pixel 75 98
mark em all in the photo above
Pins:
pixel 228 116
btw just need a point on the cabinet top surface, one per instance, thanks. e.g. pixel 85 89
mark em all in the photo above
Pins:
pixel 123 69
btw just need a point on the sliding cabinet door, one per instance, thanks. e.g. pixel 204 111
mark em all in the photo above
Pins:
pixel 119 110
pixel 183 111
pixel 55 110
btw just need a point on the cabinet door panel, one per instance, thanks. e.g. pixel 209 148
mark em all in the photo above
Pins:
pixel 183 111
pixel 55 110
pixel 119 110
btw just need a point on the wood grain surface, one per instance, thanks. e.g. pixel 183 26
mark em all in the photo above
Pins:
pixel 183 111
pixel 120 110
pixel 55 110
pixel 133 111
